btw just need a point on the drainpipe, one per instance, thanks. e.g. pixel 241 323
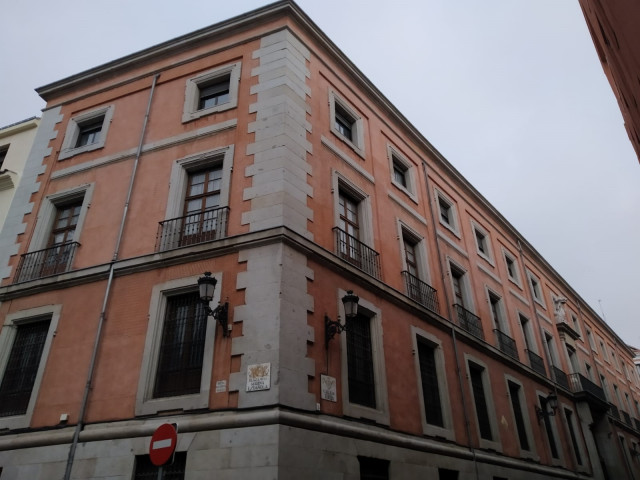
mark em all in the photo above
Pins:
pixel 453 330
pixel 96 344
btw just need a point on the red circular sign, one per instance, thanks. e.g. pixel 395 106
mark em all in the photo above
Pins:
pixel 163 443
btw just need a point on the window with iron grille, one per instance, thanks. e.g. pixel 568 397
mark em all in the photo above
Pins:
pixel 548 428
pixel 360 362
pixel 572 433
pixel 373 468
pixel 476 373
pixel 516 405
pixel 145 470
pixel 182 346
pixel 22 367
pixel 429 379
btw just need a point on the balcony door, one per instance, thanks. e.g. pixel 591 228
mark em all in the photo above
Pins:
pixel 201 205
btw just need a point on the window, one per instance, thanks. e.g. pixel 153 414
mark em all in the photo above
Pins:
pixel 415 269
pixel 573 359
pixel 349 224
pixel 497 314
pixel 198 197
pixel 346 124
pixel 429 380
pixel 402 172
pixel 447 212
pixel 86 132
pixel 447 474
pixel 476 376
pixel 211 92
pixel 482 242
pixel 373 468
pixel 604 351
pixel 588 371
pixel 201 204
pixel 363 377
pixel 513 271
pixel 3 154
pixel 549 428
pixel 178 351
pixel 435 404
pixel 145 470
pixel 22 367
pixel 536 291
pixel 458 280
pixel 576 323
pixel 516 408
pixel 89 132
pixel 360 360
pixel 56 235
pixel 181 347
pixel 592 344
pixel 25 341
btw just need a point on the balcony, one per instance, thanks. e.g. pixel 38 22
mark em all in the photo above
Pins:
pixel 192 229
pixel 585 390
pixel 626 418
pixel 358 254
pixel 536 363
pixel 469 321
pixel 506 344
pixel 561 377
pixel 46 262
pixel 565 327
pixel 421 292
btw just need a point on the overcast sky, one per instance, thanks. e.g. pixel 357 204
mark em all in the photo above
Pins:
pixel 511 92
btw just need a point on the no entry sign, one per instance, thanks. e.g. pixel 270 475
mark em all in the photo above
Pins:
pixel 163 444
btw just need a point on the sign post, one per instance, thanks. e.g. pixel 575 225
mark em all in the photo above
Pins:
pixel 163 444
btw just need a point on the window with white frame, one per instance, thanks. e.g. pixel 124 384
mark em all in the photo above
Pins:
pixel 346 123
pixel 592 343
pixel 212 91
pixel 402 172
pixel 576 323
pixel 178 352
pixel 536 289
pixel 520 414
pixel 497 312
pixel 25 341
pixel 573 434
pixel 415 268
pixel 364 383
pixel 432 385
pixel 549 428
pixel 197 206
pixel 86 132
pixel 483 402
pixel 447 214
pixel 483 243
pixel 513 270
pixel 56 234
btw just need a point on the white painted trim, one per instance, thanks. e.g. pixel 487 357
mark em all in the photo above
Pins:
pixel 340 182
pixel 489 273
pixel 447 431
pixel 519 297
pixel 554 431
pixel 145 403
pixel 451 243
pixel 475 227
pixel 357 144
pixel 380 414
pixel 192 91
pixel 532 453
pixel 495 443
pixel 409 171
pixel 347 159
pixel 454 226
pixel 7 337
pixel 506 254
pixel 407 208
pixel 69 148
pixel 422 255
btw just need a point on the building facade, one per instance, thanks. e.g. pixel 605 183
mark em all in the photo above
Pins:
pixel 253 150
pixel 15 143
pixel 613 25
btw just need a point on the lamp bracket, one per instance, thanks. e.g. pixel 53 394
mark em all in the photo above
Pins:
pixel 221 314
pixel 331 328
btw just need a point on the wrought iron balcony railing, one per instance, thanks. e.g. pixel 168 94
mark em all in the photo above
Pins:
pixel 192 229
pixel 579 383
pixel 506 344
pixel 536 362
pixel 49 261
pixel 561 377
pixel 469 321
pixel 355 252
pixel 421 292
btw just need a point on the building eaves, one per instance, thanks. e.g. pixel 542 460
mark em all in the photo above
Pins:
pixel 16 127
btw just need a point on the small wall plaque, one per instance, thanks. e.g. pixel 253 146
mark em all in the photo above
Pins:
pixel 328 386
pixel 259 377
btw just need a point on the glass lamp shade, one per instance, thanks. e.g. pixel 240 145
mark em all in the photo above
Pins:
pixel 552 400
pixel 207 285
pixel 350 301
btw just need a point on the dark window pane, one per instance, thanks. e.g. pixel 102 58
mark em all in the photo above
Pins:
pixel 360 362
pixel 514 393
pixel 373 468
pixel 182 347
pixel 430 389
pixel 89 132
pixel 547 427
pixel 145 470
pixel 214 94
pixel 22 367
pixel 482 412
